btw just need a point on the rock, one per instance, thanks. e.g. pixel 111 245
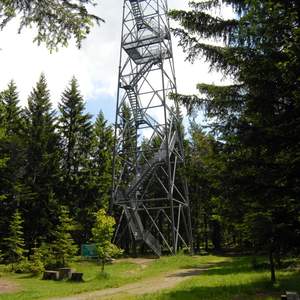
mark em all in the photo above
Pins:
pixel 51 275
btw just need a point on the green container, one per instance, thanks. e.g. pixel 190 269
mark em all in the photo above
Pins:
pixel 89 250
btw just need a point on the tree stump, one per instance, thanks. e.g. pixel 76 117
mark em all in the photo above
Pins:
pixel 65 273
pixel 76 276
pixel 51 275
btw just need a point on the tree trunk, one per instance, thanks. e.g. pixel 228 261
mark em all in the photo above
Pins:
pixel 103 263
pixel 272 266
pixel 206 232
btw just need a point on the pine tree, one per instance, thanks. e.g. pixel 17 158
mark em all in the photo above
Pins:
pixel 102 159
pixel 100 172
pixel 13 112
pixel 12 148
pixel 42 169
pixel 63 246
pixel 76 134
pixel 15 241
pixel 257 117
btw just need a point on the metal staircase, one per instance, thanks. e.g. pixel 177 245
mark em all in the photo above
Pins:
pixel 136 10
pixel 132 96
pixel 135 107
pixel 133 217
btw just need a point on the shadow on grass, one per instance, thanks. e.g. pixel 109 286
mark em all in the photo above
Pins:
pixel 214 287
pixel 261 289
pixel 233 266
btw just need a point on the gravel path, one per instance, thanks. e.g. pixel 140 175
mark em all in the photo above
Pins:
pixel 8 286
pixel 151 285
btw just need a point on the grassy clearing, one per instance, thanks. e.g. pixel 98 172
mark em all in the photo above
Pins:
pixel 231 280
pixel 116 275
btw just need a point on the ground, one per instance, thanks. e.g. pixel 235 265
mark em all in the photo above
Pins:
pixel 168 278
pixel 7 286
pixel 152 285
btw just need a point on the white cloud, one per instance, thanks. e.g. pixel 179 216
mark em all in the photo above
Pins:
pixel 95 65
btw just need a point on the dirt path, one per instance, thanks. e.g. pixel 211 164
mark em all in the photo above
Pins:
pixel 8 286
pixel 151 285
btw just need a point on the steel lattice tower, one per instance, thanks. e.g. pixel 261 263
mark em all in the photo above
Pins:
pixel 148 155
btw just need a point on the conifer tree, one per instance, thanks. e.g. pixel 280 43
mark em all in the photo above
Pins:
pixel 12 148
pixel 13 112
pixel 102 159
pixel 42 169
pixel 15 241
pixel 63 246
pixel 76 131
pixel 100 171
pixel 257 117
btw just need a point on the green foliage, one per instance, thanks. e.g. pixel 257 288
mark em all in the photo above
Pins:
pixel 102 150
pixel 13 113
pixel 56 21
pixel 76 131
pixel 47 162
pixel 36 261
pixel 62 247
pixel 256 119
pixel 15 241
pixel 102 234
pixel 42 172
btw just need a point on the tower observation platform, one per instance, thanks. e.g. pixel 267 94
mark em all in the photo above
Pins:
pixel 150 192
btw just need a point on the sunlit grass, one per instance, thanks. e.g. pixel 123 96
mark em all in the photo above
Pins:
pixel 115 275
pixel 235 280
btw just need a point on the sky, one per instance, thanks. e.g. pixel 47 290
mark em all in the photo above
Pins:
pixel 95 65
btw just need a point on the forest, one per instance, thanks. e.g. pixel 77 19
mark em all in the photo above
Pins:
pixel 242 158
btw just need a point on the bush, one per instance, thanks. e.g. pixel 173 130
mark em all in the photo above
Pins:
pixel 23 266
pixel 36 263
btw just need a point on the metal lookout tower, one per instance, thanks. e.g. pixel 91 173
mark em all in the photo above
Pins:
pixel 148 183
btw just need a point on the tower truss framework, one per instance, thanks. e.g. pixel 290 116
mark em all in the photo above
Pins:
pixel 148 177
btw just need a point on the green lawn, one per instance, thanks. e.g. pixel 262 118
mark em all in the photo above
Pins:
pixel 116 275
pixel 229 278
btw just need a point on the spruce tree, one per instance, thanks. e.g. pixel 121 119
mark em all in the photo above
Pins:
pixel 15 241
pixel 13 112
pixel 63 246
pixel 102 159
pixel 42 169
pixel 257 117
pixel 100 171
pixel 76 131
pixel 12 148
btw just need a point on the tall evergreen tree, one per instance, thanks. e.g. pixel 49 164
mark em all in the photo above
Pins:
pixel 12 149
pixel 63 246
pixel 13 112
pixel 42 169
pixel 76 133
pixel 102 160
pixel 15 245
pixel 258 117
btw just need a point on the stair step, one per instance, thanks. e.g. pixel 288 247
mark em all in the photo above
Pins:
pixel 135 223
pixel 152 242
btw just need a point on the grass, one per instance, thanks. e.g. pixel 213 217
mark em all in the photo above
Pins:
pixel 115 275
pixel 232 280
pixel 229 278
